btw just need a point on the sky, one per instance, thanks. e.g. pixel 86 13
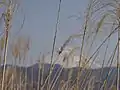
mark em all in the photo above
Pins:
pixel 40 20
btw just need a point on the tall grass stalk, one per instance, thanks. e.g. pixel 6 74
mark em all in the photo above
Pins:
pixel 111 58
pixel 54 40
pixel 8 18
pixel 82 46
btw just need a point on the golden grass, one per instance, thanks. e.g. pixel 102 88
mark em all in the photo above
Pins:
pixel 14 79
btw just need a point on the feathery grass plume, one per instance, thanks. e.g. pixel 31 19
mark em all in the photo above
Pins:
pixel 100 23
pixel 117 15
pixel 61 50
pixel 64 59
pixel 19 50
pixel 98 28
pixel 111 33
pixel 101 72
pixel 24 45
pixel 67 42
pixel 63 46
pixel 8 19
pixel 70 73
pixel 15 51
pixel 116 5
pixel 88 15
pixel 101 45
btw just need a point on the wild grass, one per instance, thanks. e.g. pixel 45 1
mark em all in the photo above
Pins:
pixel 16 78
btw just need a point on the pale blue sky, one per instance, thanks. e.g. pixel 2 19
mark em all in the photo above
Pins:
pixel 40 23
pixel 41 17
pixel 40 20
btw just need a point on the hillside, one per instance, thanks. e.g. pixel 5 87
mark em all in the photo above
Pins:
pixel 33 73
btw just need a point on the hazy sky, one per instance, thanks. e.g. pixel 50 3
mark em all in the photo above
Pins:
pixel 40 20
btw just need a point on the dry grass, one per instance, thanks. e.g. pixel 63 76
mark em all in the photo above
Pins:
pixel 13 78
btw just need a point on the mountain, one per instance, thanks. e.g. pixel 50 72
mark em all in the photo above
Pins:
pixel 87 75
pixel 99 79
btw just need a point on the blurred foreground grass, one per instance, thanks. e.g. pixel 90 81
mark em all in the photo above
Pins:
pixel 16 78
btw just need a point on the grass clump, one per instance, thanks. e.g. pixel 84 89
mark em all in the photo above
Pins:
pixel 82 77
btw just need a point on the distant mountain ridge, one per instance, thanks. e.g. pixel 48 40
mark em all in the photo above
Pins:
pixel 33 73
